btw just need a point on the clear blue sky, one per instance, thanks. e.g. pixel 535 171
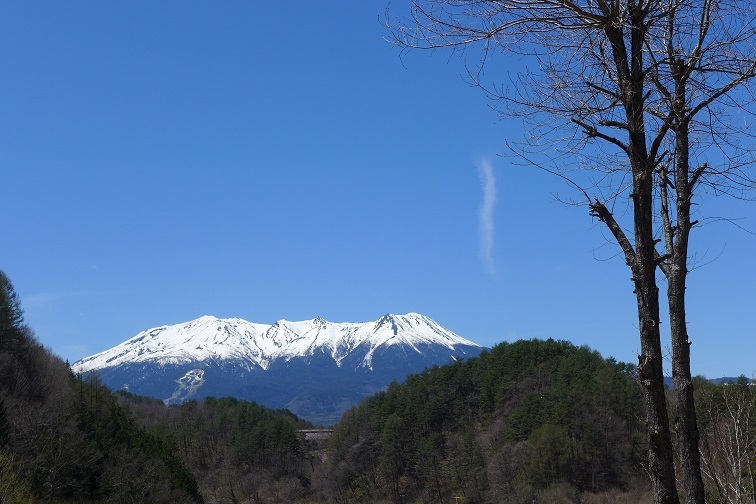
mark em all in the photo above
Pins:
pixel 162 161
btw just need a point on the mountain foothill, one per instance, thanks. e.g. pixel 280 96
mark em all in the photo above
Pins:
pixel 521 422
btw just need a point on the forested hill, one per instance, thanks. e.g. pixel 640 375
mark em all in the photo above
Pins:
pixel 67 439
pixel 531 418
pixel 63 439
pixel 530 421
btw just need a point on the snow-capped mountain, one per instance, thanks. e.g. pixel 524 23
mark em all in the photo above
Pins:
pixel 314 367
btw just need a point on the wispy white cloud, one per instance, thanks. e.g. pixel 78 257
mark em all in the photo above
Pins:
pixel 486 214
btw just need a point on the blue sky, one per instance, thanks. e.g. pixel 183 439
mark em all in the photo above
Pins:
pixel 162 161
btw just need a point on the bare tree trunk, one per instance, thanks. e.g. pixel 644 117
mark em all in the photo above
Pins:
pixel 650 369
pixel 634 76
pixel 661 466
pixel 686 425
pixel 676 270
pixel 685 416
pixel 629 63
pixel 660 459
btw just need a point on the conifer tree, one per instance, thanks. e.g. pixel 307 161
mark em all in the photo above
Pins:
pixel 11 315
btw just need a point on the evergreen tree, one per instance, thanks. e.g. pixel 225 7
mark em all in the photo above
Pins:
pixel 11 315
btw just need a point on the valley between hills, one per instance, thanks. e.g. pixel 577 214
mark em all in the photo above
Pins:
pixel 522 422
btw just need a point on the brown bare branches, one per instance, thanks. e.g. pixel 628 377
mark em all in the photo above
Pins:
pixel 645 101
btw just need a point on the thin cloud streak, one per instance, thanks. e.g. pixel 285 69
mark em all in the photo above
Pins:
pixel 486 214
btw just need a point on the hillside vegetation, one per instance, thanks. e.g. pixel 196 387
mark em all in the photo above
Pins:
pixel 66 440
pixel 524 419
pixel 530 421
pixel 239 451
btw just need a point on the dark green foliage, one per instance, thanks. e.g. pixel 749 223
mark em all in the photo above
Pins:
pixel 71 441
pixel 531 419
pixel 527 415
pixel 11 316
pixel 115 434
pixel 63 439
pixel 238 450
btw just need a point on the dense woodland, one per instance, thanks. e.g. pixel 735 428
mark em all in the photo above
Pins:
pixel 64 440
pixel 530 421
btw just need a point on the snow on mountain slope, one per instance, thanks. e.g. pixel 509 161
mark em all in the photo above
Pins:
pixel 211 338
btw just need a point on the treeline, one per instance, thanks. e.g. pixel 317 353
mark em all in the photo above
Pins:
pixel 66 440
pixel 727 423
pixel 239 451
pixel 531 420
pixel 63 439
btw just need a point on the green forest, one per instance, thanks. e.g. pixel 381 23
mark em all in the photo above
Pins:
pixel 528 421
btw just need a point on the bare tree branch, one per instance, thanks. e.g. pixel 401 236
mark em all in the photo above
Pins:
pixel 625 98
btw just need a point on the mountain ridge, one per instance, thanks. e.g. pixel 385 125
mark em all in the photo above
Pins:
pixel 315 368
pixel 198 340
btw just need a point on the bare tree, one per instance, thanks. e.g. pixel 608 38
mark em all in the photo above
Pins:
pixel 728 449
pixel 640 105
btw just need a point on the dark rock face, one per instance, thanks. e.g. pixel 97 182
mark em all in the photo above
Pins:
pixel 313 387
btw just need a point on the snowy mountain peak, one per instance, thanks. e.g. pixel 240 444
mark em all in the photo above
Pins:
pixel 315 368
pixel 387 321
pixel 210 338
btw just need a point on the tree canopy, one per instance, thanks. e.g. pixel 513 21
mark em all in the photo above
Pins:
pixel 11 315
pixel 522 419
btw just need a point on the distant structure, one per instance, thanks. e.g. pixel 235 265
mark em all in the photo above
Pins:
pixel 315 439
pixel 315 434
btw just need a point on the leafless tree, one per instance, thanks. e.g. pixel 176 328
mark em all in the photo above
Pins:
pixel 728 448
pixel 643 107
